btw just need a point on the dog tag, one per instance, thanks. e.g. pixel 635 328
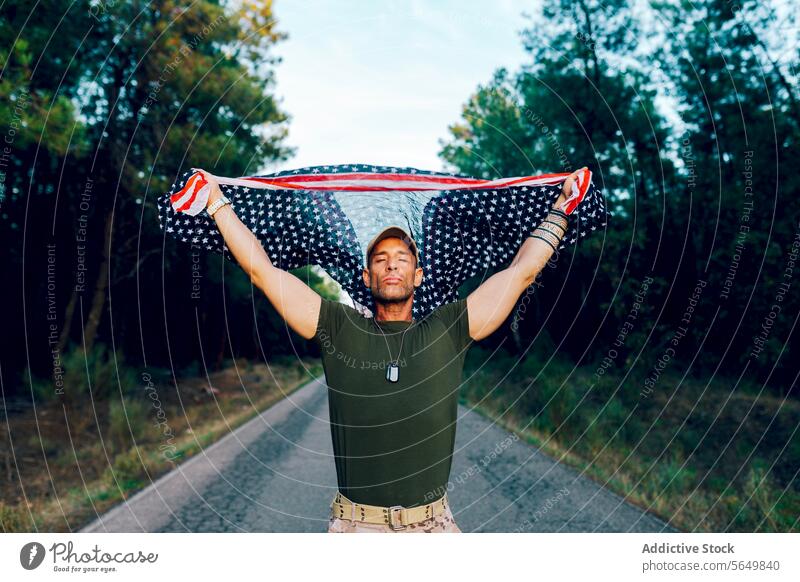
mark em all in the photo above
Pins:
pixel 392 372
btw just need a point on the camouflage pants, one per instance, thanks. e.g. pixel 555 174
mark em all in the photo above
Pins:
pixel 444 523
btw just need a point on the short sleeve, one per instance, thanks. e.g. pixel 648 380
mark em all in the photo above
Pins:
pixel 331 319
pixel 455 318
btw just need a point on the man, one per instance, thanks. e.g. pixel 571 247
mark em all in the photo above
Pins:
pixel 393 381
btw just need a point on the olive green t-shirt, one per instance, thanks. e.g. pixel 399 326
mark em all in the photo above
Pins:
pixel 393 441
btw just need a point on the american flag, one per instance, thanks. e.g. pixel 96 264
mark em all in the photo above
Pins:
pixel 326 215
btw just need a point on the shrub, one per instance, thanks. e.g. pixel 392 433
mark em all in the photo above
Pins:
pixel 85 375
pixel 761 496
pixel 126 472
pixel 42 442
pixel 127 422
pixel 13 518
pixel 674 475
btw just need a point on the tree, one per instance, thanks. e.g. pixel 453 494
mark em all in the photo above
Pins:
pixel 741 113
pixel 121 99
pixel 581 100
pixel 173 86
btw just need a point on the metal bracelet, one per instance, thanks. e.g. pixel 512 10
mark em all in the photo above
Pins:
pixel 216 205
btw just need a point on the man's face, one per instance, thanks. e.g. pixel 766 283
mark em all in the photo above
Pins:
pixel 393 274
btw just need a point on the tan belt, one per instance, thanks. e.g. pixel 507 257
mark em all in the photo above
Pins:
pixel 396 516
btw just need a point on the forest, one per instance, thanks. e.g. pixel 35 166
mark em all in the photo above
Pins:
pixel 686 113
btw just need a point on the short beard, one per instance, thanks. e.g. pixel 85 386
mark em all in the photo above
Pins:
pixel 390 300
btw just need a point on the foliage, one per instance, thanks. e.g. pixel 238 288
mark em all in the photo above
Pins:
pixel 126 472
pixel 125 97
pixel 128 422
pixel 79 376
pixel 684 141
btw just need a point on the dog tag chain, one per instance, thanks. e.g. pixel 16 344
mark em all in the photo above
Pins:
pixel 393 369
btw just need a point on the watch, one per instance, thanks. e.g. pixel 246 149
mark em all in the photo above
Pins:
pixel 217 204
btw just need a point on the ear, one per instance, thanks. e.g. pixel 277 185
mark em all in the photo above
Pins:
pixel 365 276
pixel 418 276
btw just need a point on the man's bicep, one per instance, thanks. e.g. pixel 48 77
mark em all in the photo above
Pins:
pixel 491 303
pixel 297 303
pixel 455 317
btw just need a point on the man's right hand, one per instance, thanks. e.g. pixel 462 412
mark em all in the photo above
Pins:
pixel 216 192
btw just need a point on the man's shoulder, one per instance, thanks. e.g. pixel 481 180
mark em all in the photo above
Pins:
pixel 450 310
pixel 455 304
pixel 453 317
pixel 336 308
pixel 336 317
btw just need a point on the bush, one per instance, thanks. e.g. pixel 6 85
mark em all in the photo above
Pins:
pixel 674 475
pixel 13 518
pixel 190 370
pixel 126 472
pixel 42 442
pixel 82 376
pixel 72 373
pixel 613 416
pixel 761 496
pixel 283 360
pixel 127 422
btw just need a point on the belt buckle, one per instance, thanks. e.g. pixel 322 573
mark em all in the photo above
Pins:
pixel 391 518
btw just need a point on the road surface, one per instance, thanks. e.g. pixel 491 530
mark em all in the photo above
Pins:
pixel 276 474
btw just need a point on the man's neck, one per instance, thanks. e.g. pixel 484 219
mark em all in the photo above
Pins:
pixel 393 311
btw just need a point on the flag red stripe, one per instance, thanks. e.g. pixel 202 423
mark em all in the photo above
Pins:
pixel 364 176
pixel 316 182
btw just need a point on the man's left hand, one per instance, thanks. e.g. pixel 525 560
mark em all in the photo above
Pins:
pixel 566 191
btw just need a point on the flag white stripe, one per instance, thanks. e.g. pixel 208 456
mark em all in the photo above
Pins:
pixel 387 184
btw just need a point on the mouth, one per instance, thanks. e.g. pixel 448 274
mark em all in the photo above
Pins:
pixel 392 280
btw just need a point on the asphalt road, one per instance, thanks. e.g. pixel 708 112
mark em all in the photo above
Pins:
pixel 276 474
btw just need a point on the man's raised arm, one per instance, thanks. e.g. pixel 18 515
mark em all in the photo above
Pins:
pixel 295 301
pixel 491 303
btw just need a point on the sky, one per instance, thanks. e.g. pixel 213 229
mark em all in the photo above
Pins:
pixel 379 82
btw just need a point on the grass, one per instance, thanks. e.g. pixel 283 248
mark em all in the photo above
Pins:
pixel 72 460
pixel 698 455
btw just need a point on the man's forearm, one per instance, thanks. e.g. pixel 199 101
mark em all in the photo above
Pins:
pixel 243 244
pixel 540 245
